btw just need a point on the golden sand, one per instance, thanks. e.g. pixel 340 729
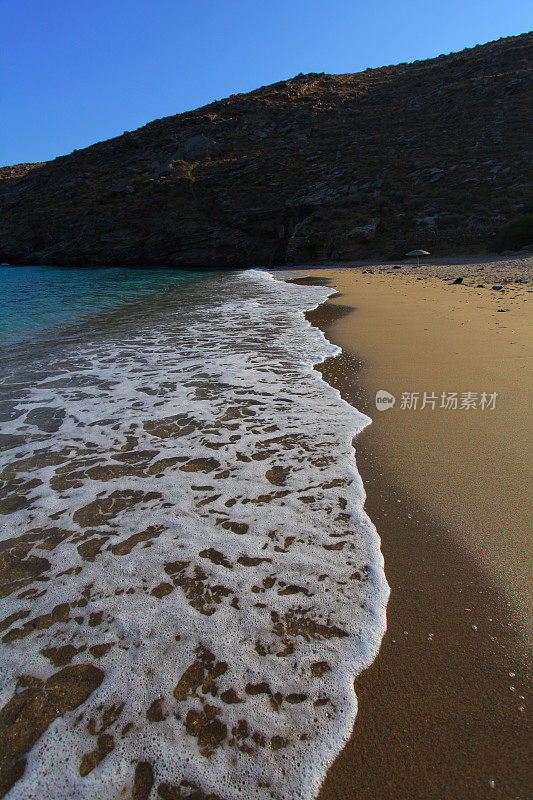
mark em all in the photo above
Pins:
pixel 470 468
pixel 443 709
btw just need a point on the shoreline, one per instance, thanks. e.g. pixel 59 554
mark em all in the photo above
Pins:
pixel 186 413
pixel 439 708
pixel 410 726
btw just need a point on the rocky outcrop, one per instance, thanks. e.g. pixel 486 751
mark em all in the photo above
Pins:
pixel 431 154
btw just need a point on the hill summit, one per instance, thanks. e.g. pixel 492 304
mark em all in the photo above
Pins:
pixel 430 154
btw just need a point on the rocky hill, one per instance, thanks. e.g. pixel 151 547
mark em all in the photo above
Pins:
pixel 431 154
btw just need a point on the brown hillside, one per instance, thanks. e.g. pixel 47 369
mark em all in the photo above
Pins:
pixel 431 154
pixel 18 170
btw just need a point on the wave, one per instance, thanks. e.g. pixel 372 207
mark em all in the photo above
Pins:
pixel 184 530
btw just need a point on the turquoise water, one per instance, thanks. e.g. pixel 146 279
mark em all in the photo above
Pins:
pixel 36 300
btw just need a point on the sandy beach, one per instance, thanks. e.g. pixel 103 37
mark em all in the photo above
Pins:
pixel 443 709
pixel 146 500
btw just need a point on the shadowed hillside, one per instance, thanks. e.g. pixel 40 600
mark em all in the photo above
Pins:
pixel 431 154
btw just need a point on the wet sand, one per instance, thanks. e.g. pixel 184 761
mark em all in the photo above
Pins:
pixel 443 710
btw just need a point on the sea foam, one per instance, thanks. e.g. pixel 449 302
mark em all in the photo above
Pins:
pixel 186 482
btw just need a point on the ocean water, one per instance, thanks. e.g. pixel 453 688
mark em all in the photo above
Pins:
pixel 185 547
pixel 35 300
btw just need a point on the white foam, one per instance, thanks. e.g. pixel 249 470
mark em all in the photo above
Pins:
pixel 234 364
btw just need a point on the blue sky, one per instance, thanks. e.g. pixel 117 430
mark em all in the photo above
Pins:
pixel 74 72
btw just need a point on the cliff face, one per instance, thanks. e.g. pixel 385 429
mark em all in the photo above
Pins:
pixel 431 154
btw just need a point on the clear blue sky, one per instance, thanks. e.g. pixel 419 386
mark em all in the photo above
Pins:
pixel 74 72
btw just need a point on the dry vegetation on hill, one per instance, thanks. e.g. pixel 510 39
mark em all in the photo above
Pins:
pixel 431 154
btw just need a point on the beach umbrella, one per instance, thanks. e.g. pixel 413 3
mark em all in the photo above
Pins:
pixel 418 253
